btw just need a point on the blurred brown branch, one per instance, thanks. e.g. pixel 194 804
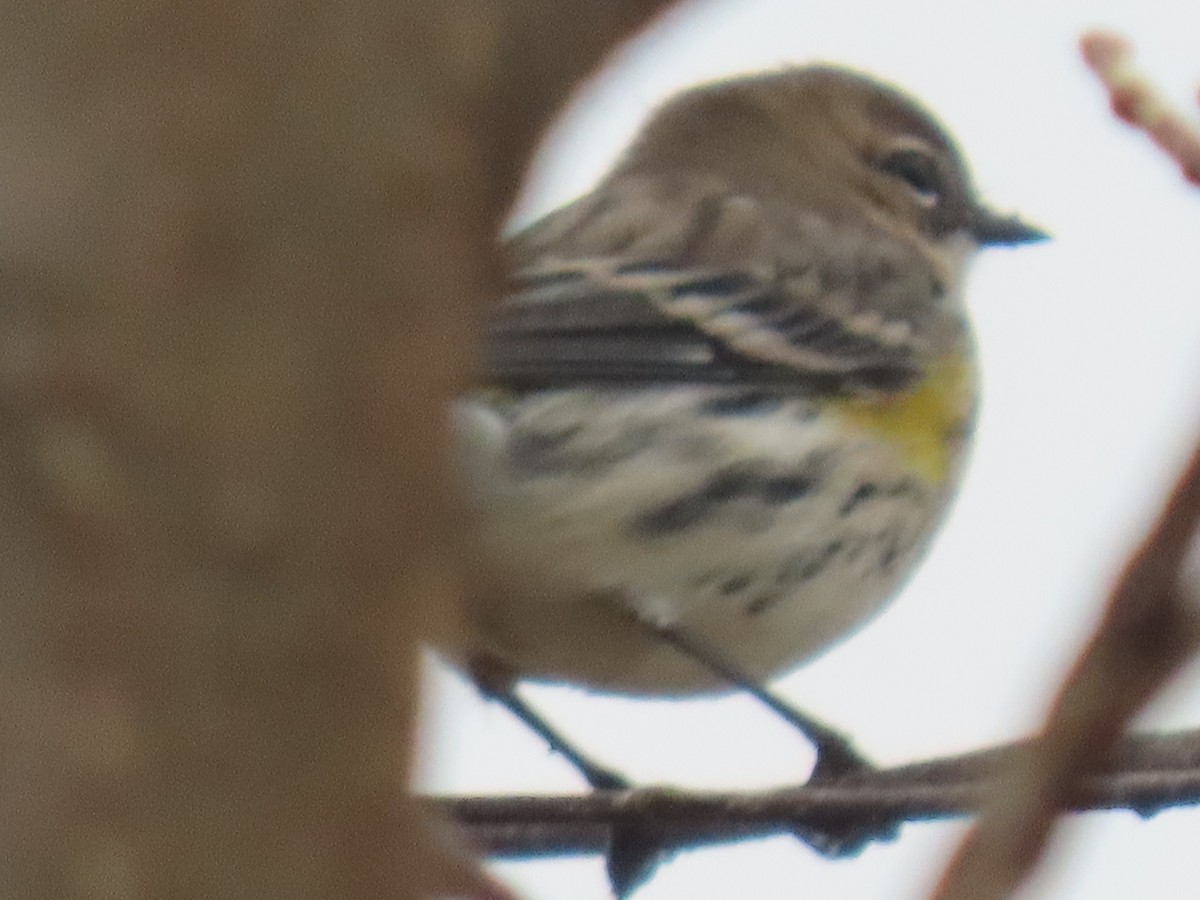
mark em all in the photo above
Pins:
pixel 244 247
pixel 1149 629
pixel 1149 773
pixel 1136 101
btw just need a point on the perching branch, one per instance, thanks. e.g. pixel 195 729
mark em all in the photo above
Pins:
pixel 1149 773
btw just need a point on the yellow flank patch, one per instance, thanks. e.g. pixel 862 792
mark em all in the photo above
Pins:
pixel 925 422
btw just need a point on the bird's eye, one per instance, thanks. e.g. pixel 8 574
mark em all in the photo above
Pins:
pixel 918 170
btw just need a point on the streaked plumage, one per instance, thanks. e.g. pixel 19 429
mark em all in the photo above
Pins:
pixel 731 388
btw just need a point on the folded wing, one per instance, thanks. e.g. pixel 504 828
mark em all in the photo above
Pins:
pixel 697 285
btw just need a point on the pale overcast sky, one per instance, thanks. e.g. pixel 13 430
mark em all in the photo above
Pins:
pixel 1092 397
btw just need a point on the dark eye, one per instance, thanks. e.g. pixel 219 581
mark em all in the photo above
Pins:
pixel 917 169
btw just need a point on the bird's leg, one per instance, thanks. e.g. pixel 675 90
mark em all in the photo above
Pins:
pixel 496 683
pixel 836 756
pixel 633 853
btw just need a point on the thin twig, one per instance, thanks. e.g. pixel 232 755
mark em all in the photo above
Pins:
pixel 1150 773
pixel 1134 100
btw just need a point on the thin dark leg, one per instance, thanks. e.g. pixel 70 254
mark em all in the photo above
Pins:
pixel 836 755
pixel 597 776
pixel 496 683
pixel 633 853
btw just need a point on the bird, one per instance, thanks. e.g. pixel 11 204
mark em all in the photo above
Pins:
pixel 727 397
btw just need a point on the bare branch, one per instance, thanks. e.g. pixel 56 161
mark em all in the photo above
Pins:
pixel 1135 100
pixel 1149 630
pixel 1149 773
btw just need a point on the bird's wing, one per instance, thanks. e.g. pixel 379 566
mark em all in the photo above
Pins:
pixel 710 287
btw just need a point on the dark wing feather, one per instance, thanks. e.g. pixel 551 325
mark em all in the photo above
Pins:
pixel 796 302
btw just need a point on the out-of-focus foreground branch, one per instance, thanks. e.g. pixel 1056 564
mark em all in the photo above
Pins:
pixel 242 246
pixel 1149 629
pixel 1134 100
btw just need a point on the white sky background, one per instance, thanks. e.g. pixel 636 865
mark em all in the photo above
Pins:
pixel 1091 349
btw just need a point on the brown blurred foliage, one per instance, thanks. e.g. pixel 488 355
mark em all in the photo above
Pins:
pixel 242 246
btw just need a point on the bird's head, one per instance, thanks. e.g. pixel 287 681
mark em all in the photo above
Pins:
pixel 831 141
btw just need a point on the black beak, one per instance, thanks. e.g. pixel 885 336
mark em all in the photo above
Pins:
pixel 991 229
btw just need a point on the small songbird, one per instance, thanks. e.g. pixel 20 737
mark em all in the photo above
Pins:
pixel 730 392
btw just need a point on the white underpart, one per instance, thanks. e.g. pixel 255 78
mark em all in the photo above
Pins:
pixel 558 539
